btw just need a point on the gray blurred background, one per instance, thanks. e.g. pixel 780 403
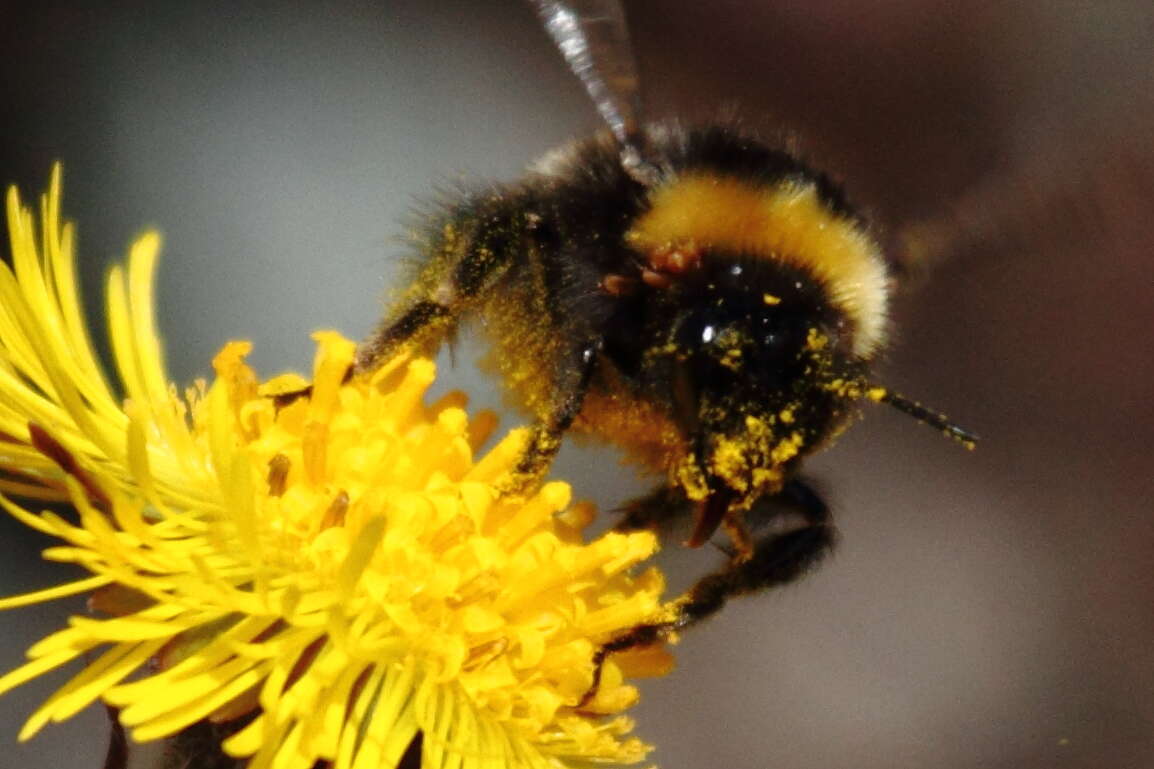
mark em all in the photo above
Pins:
pixel 989 609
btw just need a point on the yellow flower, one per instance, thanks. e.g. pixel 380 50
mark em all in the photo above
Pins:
pixel 336 565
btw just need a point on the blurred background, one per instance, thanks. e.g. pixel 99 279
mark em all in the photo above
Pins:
pixel 989 609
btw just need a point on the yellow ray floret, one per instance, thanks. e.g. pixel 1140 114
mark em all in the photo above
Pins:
pixel 337 565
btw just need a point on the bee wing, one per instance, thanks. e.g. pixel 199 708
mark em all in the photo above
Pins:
pixel 594 39
pixel 1062 195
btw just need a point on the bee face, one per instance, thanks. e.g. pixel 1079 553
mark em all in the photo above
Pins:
pixel 745 332
pixel 748 360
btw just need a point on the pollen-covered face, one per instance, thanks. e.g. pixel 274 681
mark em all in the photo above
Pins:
pixel 751 362
pixel 778 301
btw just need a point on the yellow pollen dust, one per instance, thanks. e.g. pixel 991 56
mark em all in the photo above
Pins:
pixel 788 448
pixel 750 462
pixel 815 340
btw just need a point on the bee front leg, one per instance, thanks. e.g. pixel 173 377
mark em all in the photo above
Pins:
pixel 654 510
pixel 777 559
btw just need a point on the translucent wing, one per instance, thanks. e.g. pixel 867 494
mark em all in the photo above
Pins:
pixel 594 39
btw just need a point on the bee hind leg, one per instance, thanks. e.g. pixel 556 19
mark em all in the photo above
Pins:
pixel 386 340
pixel 425 317
pixel 466 260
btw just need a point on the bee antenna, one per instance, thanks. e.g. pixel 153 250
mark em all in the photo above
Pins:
pixel 924 415
pixel 593 37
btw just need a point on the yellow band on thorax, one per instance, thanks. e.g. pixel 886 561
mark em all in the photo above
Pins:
pixel 786 222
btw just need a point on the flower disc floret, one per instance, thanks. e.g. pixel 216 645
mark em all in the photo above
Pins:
pixel 326 558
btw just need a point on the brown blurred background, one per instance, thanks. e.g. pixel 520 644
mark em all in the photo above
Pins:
pixel 989 609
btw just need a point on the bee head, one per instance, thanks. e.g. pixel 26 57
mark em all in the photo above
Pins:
pixel 756 355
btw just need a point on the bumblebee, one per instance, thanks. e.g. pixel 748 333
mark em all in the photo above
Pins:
pixel 706 302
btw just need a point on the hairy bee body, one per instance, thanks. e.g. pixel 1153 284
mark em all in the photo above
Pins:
pixel 705 301
pixel 716 324
pixel 714 311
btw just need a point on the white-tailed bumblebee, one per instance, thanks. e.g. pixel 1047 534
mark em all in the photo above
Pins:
pixel 703 300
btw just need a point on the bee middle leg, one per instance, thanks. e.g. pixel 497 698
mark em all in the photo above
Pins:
pixel 776 559
pixel 546 434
